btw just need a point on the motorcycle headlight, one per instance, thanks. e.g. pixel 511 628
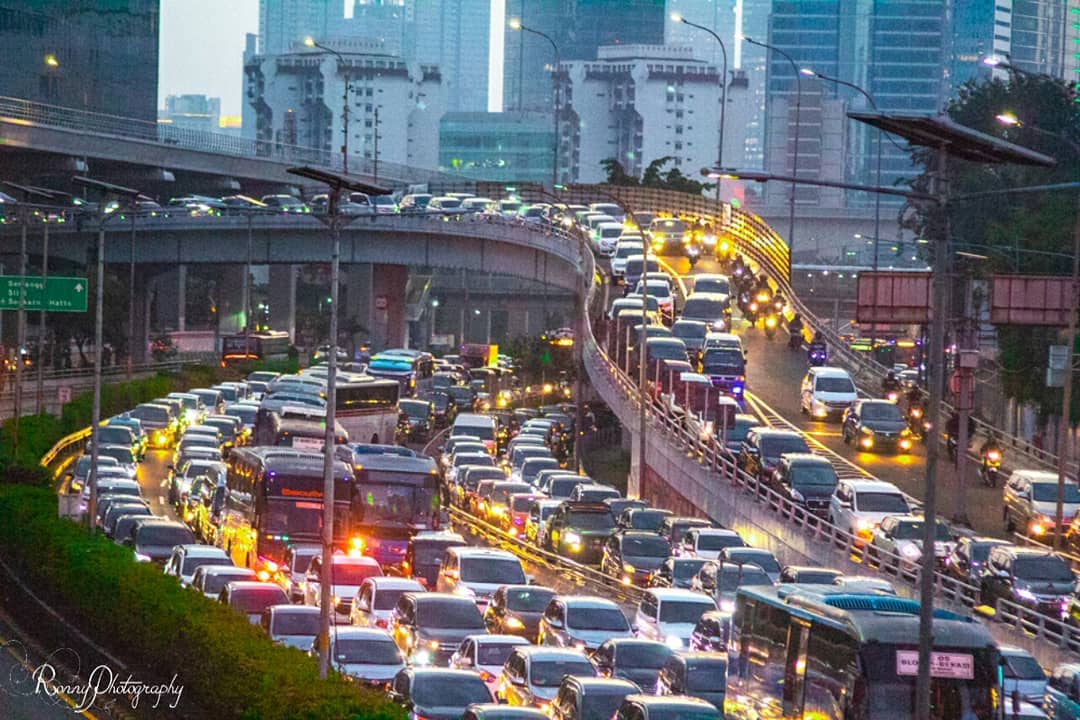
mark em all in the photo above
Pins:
pixel 674 642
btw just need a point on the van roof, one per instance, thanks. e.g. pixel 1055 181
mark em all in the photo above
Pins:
pixel 829 372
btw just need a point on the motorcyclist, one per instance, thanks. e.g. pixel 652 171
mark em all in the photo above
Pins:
pixel 779 301
pixel 990 444
pixel 763 283
pixel 795 325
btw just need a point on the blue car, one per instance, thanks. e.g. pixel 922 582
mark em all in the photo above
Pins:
pixel 1062 698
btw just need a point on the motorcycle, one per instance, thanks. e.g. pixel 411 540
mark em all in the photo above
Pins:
pixel 817 356
pixel 916 422
pixel 750 312
pixel 771 323
pixel 892 396
pixel 693 252
pixel 795 339
pixel 991 467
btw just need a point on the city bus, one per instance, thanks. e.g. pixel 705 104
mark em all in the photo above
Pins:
pixel 366 407
pixel 827 654
pixel 273 498
pixel 412 369
pixel 290 427
pixel 396 497
pixel 251 347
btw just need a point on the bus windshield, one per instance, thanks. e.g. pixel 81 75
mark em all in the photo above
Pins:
pixel 302 518
pixel 386 497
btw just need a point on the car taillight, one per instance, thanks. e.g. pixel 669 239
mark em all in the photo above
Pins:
pixel 381 623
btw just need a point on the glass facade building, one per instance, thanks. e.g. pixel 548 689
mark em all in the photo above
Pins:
pixel 510 147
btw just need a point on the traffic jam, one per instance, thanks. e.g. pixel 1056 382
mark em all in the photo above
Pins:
pixel 480 572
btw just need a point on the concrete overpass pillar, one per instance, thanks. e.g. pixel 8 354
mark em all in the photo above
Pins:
pixel 375 299
pixel 283 298
pixel 181 297
pixel 229 296
pixel 141 316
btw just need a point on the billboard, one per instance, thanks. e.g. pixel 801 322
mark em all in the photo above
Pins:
pixel 1030 300
pixel 893 298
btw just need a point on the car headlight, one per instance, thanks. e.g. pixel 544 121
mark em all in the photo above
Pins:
pixel 139 557
pixel 422 657
pixel 796 495
pixel 514 623
pixel 1025 594
pixel 727 605
pixel 866 431
pixel 572 537
pixel 911 551
pixel 628 568
pixel 674 642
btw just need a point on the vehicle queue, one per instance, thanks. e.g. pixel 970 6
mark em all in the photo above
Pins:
pixel 447 627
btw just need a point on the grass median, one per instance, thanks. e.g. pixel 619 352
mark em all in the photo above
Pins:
pixel 228 668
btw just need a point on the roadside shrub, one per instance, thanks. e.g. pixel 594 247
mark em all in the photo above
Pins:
pixel 227 666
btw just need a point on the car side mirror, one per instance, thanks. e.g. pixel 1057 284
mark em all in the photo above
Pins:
pixel 530 579
pixel 1022 494
pixel 517 681
pixel 554 623
pixel 464 661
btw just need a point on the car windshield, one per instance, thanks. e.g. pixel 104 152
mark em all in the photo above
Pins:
pixel 492 570
pixel 762 558
pixel 415 408
pixel 522 503
pixel 652 546
pixel 689 330
pixel 191 563
pixel 835 385
pixel 666 350
pixel 1022 667
pixel 442 614
pixel 1047 492
pixel 215 583
pixel 882 411
pixel 562 487
pixel 684 713
pixel 353 573
pixel 881 502
pixel 533 600
pixel 494 653
pixel 593 618
pixel 114 435
pixel 300 561
pixel 123 455
pixel 642 655
pixel 154 414
pixel 712 285
pixel 366 651
pixel 706 675
pixel 295 623
pixel 813 476
pixel 253 600
pixel 704 308
pixel 686 568
pixel 625 251
pixel 648 519
pixel 774 447
pixel 914 529
pixel 1048 568
pixel 484 460
pixel 979 551
pixel 580 520
pixel 721 359
pixel 684 612
pixel 732 578
pixel 718 542
pixel 451 690
pixel 601 705
pixel 549 673
pixel 167 535
pixel 386 598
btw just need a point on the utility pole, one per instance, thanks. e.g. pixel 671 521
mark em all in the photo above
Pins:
pixel 1066 391
pixel 41 321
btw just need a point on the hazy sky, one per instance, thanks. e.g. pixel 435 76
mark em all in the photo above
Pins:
pixel 202 48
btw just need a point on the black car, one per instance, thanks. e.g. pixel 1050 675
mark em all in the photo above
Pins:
pixel 516 610
pixel 807 480
pixel 463 396
pixel 649 519
pixel 808 575
pixel 445 410
pixel 674 528
pixel 734 435
pixel 588 698
pixel 677 572
pixel 428 627
pixel 876 425
pixel 633 555
pixel 423 556
pixel 1031 577
pixel 437 693
pixel 711 632
pixel 763 447
pixel 633 659
pixel 698 674
pixel 620 505
pixel 153 538
pixel 965 562
pixel 578 531
pixel 420 416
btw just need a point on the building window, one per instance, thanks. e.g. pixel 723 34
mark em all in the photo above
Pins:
pixel 678 146
pixel 678 129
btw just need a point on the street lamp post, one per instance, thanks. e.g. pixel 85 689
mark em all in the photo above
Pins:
pixel 676 17
pixel 336 184
pixel 795 158
pixel 99 312
pixel 311 42
pixel 877 180
pixel 516 24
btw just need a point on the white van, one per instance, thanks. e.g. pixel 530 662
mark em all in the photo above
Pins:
pixel 827 392
pixel 476 425
pixel 606 237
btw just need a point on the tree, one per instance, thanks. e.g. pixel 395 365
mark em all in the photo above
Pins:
pixel 616 173
pixel 79 327
pixel 1001 227
pixel 654 176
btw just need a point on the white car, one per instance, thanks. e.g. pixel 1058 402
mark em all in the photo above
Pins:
pixel 210 580
pixel 186 559
pixel 826 392
pixel 668 615
pixel 532 675
pixel 291 573
pixel 900 539
pixel 623 250
pixel 605 238
pixel 348 573
pixel 368 654
pixel 477 572
pixel 708 543
pixel 375 600
pixel 294 626
pixel 859 506
pixel 124 456
pixel 658 287
pixel 485 654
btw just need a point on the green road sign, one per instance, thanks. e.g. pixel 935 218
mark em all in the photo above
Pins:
pixel 54 294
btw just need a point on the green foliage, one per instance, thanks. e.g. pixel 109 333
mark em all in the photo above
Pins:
pixel 1003 227
pixel 654 177
pixel 161 629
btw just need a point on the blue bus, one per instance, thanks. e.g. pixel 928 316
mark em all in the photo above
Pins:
pixel 396 497
pixel 818 652
pixel 413 370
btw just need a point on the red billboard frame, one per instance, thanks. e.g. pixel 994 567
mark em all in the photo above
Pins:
pixel 893 298
pixel 1030 300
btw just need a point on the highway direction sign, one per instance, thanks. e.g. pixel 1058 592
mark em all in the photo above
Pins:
pixel 54 294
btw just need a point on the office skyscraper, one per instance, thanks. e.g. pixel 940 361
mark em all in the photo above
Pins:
pixel 284 22
pixel 454 35
pixel 97 55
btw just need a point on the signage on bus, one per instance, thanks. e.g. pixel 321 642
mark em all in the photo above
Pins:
pixel 292 492
pixel 954 666
pixel 308 443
